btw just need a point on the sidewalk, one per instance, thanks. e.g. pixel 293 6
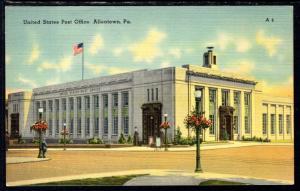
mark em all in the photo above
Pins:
pixel 16 160
pixel 160 177
pixel 207 146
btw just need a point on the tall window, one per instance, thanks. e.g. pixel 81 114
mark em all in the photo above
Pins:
pixel 247 112
pixel 156 93
pixel 64 104
pixel 105 126
pixel 87 102
pixel 280 123
pixel 212 110
pixel 96 131
pixel 57 127
pixel 105 100
pixel 115 100
pixel 71 101
pixel 115 125
pixel 152 94
pixel 50 123
pixel 37 110
pixel 148 94
pixel 236 113
pixel 225 97
pixel 57 105
pixel 50 103
pixel 78 103
pixel 71 126
pixel 87 126
pixel 78 126
pixel 264 123
pixel 96 101
pixel 273 123
pixel 125 99
pixel 125 125
pixel 288 124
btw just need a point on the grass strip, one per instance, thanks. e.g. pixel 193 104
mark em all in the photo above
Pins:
pixel 220 183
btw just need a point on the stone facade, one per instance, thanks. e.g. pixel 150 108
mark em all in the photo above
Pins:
pixel 107 106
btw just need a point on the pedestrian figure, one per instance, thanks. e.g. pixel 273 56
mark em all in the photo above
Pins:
pixel 44 148
pixel 135 137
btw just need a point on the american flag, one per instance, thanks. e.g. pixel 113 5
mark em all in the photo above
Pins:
pixel 77 48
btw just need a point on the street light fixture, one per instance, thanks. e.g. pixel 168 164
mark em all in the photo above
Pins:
pixel 166 141
pixel 65 136
pixel 40 110
pixel 198 94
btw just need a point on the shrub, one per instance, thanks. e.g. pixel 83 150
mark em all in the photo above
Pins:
pixel 95 141
pixel 122 139
pixel 35 141
pixel 178 136
pixel 187 141
pixel 68 141
pixel 129 140
pixel 254 138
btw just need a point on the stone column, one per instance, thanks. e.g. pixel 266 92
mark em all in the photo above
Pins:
pixel 60 117
pixel 53 118
pixel 47 117
pixel 219 103
pixel 109 117
pixel 75 117
pixel 100 116
pixel 206 110
pixel 68 122
pixel 242 127
pixel 276 122
pixel 82 117
pixel 283 122
pixel 120 129
pixel 231 98
pixel 130 116
pixel 268 121
pixel 92 116
pixel 292 122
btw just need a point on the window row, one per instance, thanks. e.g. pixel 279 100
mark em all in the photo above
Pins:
pixel 273 123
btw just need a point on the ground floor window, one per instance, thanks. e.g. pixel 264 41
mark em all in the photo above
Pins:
pixel 288 124
pixel 212 127
pixel 105 126
pixel 79 126
pixel 125 124
pixel 50 127
pixel 96 125
pixel 247 126
pixel 272 123
pixel 115 125
pixel 236 124
pixel 87 126
pixel 264 123
pixel 57 127
pixel 71 126
pixel 280 123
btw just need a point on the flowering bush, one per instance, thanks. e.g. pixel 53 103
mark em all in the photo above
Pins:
pixel 40 125
pixel 165 125
pixel 197 121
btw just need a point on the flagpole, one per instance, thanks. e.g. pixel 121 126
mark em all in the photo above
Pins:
pixel 82 61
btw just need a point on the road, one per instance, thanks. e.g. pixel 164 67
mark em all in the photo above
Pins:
pixel 271 162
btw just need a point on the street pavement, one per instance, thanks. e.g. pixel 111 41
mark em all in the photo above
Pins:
pixel 257 163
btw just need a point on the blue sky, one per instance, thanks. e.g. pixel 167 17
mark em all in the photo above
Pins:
pixel 41 54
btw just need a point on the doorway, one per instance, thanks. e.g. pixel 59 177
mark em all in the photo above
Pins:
pixel 151 121
pixel 14 124
pixel 226 123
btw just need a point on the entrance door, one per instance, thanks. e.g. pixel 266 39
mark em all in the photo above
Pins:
pixel 226 123
pixel 151 121
pixel 14 130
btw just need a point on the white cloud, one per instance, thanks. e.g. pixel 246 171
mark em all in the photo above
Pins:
pixel 242 67
pixel 27 82
pixel 53 81
pixel 34 55
pixel 286 88
pixel 242 45
pixel 165 64
pixel 118 51
pixel 7 59
pixel 148 49
pixel 223 40
pixel 95 69
pixel 96 44
pixel 176 52
pixel 270 43
pixel 64 65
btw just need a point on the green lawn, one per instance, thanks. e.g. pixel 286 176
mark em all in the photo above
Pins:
pixel 105 181
pixel 219 183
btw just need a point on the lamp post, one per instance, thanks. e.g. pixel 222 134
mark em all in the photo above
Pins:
pixel 198 94
pixel 166 141
pixel 64 136
pixel 40 133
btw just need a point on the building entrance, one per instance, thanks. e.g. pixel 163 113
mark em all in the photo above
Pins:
pixel 151 121
pixel 226 123
pixel 14 131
